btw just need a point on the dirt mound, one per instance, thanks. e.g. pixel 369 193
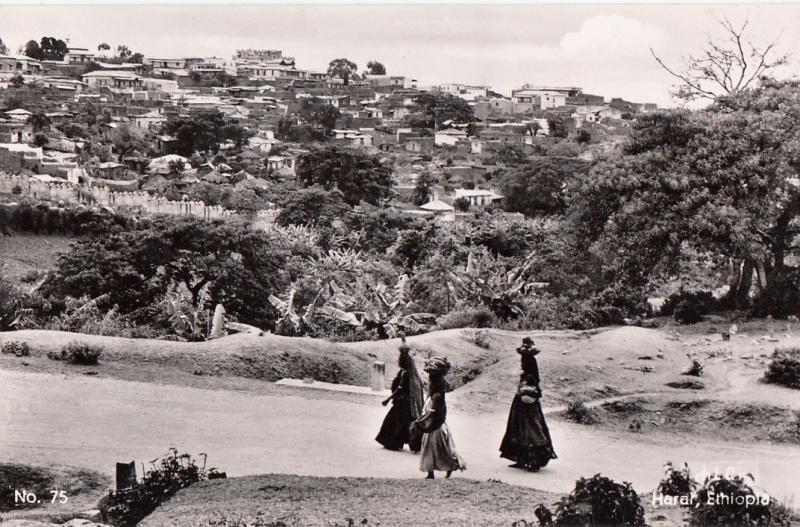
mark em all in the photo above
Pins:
pixel 632 341
pixel 40 481
pixel 268 357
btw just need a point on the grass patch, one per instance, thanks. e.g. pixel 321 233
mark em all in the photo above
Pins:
pixel 40 481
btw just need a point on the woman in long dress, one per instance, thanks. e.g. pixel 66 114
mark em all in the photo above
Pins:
pixel 527 439
pixel 438 448
pixel 407 402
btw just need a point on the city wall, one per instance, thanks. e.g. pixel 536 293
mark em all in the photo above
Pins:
pixel 136 202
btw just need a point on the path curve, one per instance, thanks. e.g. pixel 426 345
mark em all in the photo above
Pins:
pixel 77 420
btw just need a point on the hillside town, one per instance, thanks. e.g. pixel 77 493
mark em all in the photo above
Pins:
pixel 115 128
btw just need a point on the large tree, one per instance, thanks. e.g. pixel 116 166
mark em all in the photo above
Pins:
pixel 318 113
pixel 441 107
pixel 126 138
pixel 359 177
pixel 726 67
pixel 722 182
pixel 537 188
pixel 204 132
pixel 3 48
pixel 342 68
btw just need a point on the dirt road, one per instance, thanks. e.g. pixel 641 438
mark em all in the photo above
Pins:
pixel 76 420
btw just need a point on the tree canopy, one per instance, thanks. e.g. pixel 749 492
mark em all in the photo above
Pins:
pixel 375 68
pixel 442 107
pixel 537 188
pixel 318 113
pixel 359 177
pixel 342 68
pixel 204 132
pixel 49 48
pixel 721 182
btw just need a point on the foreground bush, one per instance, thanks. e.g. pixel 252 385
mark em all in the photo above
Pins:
pixel 784 368
pixel 169 475
pixel 600 501
pixel 733 502
pixel 676 482
pixel 78 353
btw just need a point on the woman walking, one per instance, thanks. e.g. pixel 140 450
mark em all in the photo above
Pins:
pixel 407 401
pixel 527 439
pixel 438 449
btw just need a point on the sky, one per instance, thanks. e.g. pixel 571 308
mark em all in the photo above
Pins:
pixel 603 48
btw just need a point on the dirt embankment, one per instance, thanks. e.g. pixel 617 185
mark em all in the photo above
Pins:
pixel 267 357
pixel 308 501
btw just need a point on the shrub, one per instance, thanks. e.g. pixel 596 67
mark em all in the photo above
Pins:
pixel 735 503
pixel 784 368
pixel 676 482
pixel 467 318
pixel 31 276
pixel 169 475
pixel 20 349
pixel 480 338
pixel 78 353
pixel 688 307
pixel 600 501
pixel 577 412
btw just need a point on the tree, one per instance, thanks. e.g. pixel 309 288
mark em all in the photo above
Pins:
pixel 318 113
pixel 204 132
pixel 17 81
pixel 536 188
pixel 38 121
pixel 725 68
pixel 138 58
pixel 103 46
pixel 375 68
pixel 52 48
pixel 583 137
pixel 123 52
pixel 33 50
pixel 40 140
pixel 461 204
pixel 423 187
pixel 509 154
pixel 312 206
pixel 125 139
pixel 440 108
pixel 342 68
pixel 723 183
pixel 3 48
pixel 359 177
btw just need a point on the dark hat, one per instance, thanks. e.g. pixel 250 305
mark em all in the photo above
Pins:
pixel 437 365
pixel 528 347
pixel 404 347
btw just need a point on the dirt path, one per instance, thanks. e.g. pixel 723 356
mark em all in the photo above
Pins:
pixel 47 419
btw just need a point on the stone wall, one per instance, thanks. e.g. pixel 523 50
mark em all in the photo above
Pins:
pixel 134 202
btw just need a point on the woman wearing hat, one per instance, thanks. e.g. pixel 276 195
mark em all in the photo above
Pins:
pixel 407 401
pixel 438 449
pixel 527 440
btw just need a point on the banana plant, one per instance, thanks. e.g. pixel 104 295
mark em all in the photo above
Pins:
pixel 484 281
pixel 187 320
pixel 388 311
pixel 290 323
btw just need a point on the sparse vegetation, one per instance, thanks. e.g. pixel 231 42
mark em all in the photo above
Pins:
pixel 577 412
pixel 600 501
pixel 167 476
pixel 736 503
pixel 676 482
pixel 18 349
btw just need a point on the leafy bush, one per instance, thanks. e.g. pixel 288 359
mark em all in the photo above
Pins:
pixel 732 501
pixel 78 353
pixel 688 307
pixel 600 501
pixel 20 349
pixel 169 475
pixel 784 368
pixel 676 482
pixel 467 318
pixel 577 412
pixel 480 338
pixel 687 313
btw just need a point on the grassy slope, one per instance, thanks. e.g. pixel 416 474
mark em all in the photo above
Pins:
pixel 309 501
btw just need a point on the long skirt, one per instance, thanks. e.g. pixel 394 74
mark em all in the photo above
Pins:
pixel 394 432
pixel 527 438
pixel 439 452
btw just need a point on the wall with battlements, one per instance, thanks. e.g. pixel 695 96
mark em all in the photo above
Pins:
pixel 134 202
